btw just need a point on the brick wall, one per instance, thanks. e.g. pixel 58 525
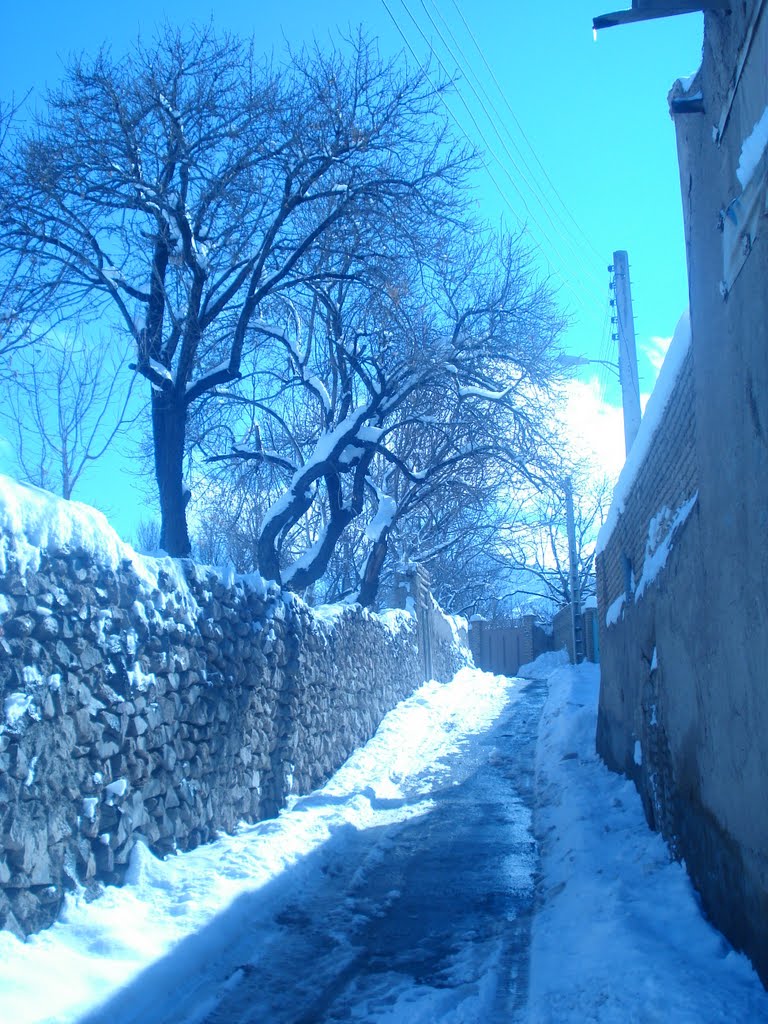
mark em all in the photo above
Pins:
pixel 562 633
pixel 667 479
pixel 683 701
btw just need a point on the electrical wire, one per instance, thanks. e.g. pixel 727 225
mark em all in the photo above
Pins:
pixel 480 131
pixel 566 280
pixel 546 205
pixel 522 132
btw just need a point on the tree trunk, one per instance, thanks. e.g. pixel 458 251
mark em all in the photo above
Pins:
pixel 168 425
pixel 369 584
pixel 286 511
pixel 308 574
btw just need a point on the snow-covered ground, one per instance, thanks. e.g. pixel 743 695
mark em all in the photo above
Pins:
pixel 617 936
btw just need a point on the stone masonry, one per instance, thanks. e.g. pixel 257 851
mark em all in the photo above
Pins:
pixel 168 705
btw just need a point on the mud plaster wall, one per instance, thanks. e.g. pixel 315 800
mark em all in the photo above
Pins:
pixel 684 701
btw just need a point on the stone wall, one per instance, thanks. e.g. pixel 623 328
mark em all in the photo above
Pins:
pixel 156 700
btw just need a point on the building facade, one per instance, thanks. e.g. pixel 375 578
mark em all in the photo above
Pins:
pixel 683 570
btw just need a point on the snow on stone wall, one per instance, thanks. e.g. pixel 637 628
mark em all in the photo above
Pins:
pixel 143 697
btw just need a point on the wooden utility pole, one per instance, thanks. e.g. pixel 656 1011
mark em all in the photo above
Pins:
pixel 630 384
pixel 573 561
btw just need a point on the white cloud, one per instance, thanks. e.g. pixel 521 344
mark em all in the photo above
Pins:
pixel 655 349
pixel 593 429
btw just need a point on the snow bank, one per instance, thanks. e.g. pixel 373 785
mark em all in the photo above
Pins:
pixel 396 619
pixel 618 935
pixel 544 665
pixel 32 519
pixel 99 947
pixel 328 616
pixel 650 423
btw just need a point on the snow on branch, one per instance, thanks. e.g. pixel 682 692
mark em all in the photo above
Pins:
pixel 484 393
pixel 306 560
pixel 240 451
pixel 300 359
pixel 436 550
pixel 279 333
pixel 159 376
pixel 353 431
pixel 173 113
pixel 221 374
pixel 385 514
pixel 316 385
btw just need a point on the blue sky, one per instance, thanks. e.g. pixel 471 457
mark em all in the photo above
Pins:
pixel 584 145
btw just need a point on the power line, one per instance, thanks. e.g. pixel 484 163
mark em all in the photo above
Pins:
pixel 522 132
pixel 537 192
pixel 471 116
pixel 461 128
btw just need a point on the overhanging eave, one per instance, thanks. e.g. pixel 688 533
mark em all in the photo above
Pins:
pixel 641 12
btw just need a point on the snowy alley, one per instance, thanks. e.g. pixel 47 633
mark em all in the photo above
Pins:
pixel 411 888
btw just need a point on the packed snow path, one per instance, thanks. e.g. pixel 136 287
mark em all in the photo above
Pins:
pixel 426 919
pixel 401 893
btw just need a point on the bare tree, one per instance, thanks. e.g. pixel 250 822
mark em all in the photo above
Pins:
pixel 536 545
pixel 397 401
pixel 19 306
pixel 454 537
pixel 147 536
pixel 175 192
pixel 66 403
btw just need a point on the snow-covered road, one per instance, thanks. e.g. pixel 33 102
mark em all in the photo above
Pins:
pixel 402 892
pixel 423 916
